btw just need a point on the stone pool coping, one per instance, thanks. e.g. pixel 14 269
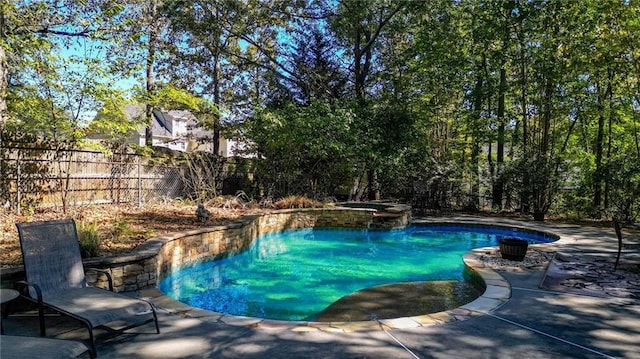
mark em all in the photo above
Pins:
pixel 497 292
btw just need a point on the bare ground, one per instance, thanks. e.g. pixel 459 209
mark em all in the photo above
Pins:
pixel 121 228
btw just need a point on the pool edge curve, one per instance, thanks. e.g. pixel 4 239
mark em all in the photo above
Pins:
pixel 496 293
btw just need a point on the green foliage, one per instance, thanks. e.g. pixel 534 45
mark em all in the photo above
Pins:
pixel 170 97
pixel 624 181
pixel 122 229
pixel 112 123
pixel 31 113
pixel 55 59
pixel 89 239
pixel 373 97
pixel 303 150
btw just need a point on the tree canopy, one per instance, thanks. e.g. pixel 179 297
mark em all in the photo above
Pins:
pixel 516 104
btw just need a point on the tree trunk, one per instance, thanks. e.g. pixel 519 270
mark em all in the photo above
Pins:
pixel 356 190
pixel 151 55
pixel 597 180
pixel 374 190
pixel 360 69
pixel 606 173
pixel 538 165
pixel 4 85
pixel 541 193
pixel 362 58
pixel 216 100
pixel 3 89
pixel 525 193
pixel 475 146
pixel 216 90
pixel 498 184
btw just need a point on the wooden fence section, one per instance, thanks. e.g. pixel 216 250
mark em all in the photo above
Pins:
pixel 42 177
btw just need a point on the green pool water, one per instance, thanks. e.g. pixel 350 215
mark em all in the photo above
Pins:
pixel 296 274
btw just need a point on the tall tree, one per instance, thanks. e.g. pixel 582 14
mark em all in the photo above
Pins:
pixel 359 25
pixel 226 50
pixel 152 25
pixel 37 38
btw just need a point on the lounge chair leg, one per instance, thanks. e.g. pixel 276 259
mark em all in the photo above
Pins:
pixel 43 330
pixel 155 319
pixel 93 352
pixel 157 325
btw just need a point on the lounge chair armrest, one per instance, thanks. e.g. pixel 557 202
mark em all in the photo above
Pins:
pixel 23 288
pixel 105 272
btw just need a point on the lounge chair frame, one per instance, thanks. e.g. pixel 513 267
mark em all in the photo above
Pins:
pixel 64 284
pixel 21 347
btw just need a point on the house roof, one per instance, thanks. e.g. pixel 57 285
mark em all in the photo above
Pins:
pixel 167 125
pixel 191 122
pixel 164 120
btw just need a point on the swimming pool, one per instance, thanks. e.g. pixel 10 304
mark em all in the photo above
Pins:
pixel 296 274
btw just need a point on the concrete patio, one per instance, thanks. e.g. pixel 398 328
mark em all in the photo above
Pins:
pixel 533 323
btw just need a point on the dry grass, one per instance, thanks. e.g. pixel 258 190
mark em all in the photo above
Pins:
pixel 294 202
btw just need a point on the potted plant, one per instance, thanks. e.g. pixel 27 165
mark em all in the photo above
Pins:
pixel 513 248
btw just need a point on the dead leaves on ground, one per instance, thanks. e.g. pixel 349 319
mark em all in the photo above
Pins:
pixel 121 228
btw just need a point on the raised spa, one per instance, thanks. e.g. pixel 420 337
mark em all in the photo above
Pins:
pixel 296 274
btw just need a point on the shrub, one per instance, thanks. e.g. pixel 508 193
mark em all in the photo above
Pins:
pixel 122 229
pixel 89 239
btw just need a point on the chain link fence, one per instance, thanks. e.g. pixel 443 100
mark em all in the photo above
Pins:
pixel 57 177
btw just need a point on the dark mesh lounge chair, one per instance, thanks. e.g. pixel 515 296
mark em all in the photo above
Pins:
pixel 55 279
pixel 16 347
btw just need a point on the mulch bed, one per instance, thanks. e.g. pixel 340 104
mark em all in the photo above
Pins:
pixel 535 259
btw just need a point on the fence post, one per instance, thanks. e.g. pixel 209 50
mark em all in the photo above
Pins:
pixel 18 195
pixel 139 184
